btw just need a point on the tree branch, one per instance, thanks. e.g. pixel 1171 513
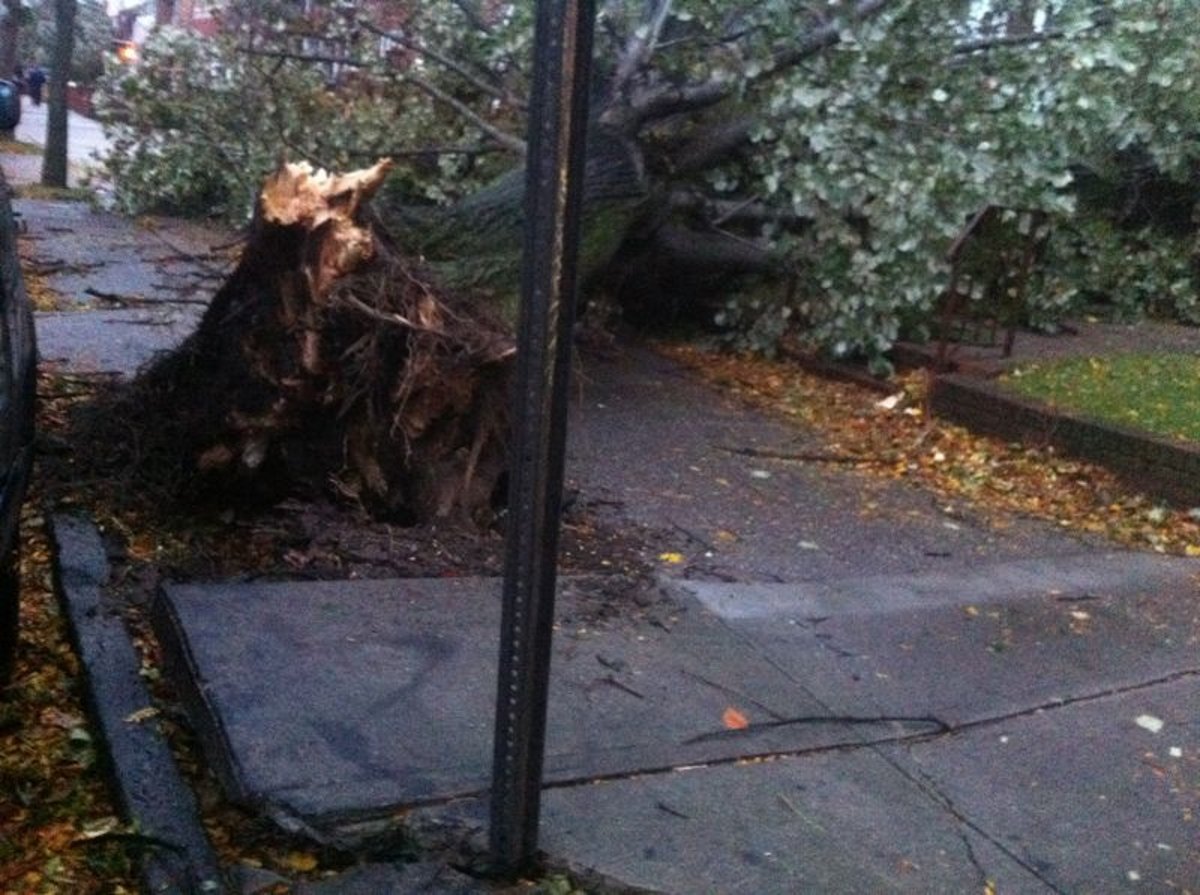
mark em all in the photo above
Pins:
pixel 640 46
pixel 726 211
pixel 1024 40
pixel 449 64
pixel 477 149
pixel 711 144
pixel 660 101
pixel 505 139
pixel 713 250
pixel 286 55
pixel 473 16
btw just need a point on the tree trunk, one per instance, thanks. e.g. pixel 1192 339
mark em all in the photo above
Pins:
pixel 476 244
pixel 327 356
pixel 54 162
pixel 10 37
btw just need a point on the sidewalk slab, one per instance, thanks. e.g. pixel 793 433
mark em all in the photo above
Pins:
pixel 863 763
pixel 662 448
pixel 330 701
pixel 97 262
pixel 1095 797
pixel 1018 635
pixel 845 822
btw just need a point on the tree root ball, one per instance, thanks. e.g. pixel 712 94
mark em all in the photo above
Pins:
pixel 329 359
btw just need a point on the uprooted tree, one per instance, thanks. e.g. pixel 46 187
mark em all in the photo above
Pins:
pixel 327 356
pixel 790 169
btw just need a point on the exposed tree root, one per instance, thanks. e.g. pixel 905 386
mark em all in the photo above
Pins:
pixel 327 358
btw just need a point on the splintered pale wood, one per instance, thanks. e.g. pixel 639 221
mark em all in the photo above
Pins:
pixel 325 205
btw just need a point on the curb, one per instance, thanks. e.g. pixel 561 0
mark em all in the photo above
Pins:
pixel 1165 469
pixel 146 782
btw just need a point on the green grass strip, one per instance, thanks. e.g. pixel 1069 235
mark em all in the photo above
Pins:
pixel 1158 393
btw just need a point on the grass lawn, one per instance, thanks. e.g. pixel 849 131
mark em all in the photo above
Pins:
pixel 1158 393
pixel 53 193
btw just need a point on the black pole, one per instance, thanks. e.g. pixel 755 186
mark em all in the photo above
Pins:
pixel 553 202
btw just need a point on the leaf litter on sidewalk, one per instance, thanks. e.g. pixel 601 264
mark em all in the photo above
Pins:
pixel 895 438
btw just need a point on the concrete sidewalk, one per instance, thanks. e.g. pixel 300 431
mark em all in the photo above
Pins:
pixel 1031 725
pixel 128 289
pixel 86 144
pixel 926 708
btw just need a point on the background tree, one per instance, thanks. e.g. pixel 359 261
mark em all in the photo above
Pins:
pixel 14 18
pixel 55 161
pixel 93 37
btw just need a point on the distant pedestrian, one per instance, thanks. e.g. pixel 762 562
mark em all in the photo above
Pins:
pixel 35 83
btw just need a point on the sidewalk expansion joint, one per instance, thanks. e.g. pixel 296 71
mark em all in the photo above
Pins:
pixel 942 729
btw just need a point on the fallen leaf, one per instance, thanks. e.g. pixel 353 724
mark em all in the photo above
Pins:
pixel 890 402
pixel 1149 722
pixel 142 714
pixel 54 717
pixel 734 720
pixel 94 829
pixel 672 558
pixel 299 861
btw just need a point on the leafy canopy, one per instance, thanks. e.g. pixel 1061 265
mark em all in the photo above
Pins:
pixel 877 130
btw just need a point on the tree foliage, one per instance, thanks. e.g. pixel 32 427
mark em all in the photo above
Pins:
pixel 826 154
pixel 93 38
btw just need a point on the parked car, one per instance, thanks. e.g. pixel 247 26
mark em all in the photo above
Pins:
pixel 18 390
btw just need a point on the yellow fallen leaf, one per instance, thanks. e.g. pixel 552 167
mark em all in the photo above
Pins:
pixel 299 861
pixel 672 558
pixel 1192 549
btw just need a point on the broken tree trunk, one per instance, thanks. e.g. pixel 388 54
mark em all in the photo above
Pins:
pixel 327 357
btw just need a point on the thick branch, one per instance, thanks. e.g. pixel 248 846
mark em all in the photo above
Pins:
pixel 713 250
pixel 712 144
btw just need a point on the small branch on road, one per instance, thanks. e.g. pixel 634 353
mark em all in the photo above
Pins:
pixel 802 456
pixel 137 301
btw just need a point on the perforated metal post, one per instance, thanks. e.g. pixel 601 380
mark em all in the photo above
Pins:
pixel 553 200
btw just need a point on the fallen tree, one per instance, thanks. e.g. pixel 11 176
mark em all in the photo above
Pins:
pixel 785 172
pixel 328 356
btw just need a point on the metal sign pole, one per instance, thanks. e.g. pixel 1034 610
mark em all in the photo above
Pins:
pixel 553 201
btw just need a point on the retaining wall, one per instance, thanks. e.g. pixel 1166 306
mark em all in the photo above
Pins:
pixel 1164 468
